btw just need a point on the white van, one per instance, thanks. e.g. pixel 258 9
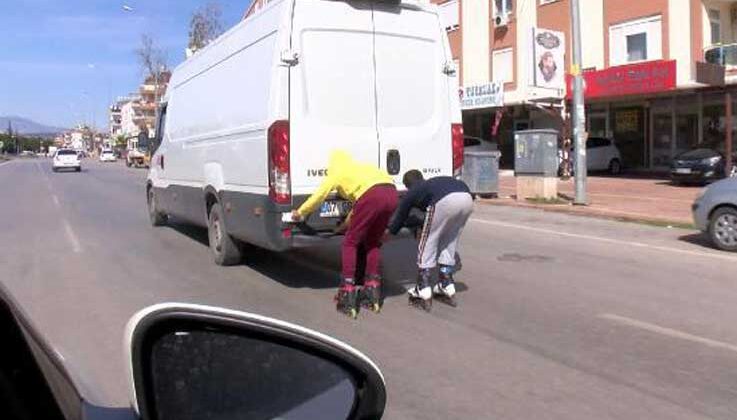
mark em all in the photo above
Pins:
pixel 248 123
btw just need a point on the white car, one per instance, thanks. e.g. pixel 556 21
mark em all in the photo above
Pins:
pixel 601 155
pixel 66 159
pixel 107 156
pixel 248 123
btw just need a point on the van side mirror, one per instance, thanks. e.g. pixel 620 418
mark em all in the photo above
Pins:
pixel 195 362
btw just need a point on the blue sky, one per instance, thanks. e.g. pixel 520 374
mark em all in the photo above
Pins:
pixel 62 61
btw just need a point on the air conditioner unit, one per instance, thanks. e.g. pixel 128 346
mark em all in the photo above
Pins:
pixel 501 19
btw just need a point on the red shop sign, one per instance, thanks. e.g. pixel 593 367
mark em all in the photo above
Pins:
pixel 631 79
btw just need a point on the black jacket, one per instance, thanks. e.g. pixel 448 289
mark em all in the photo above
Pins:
pixel 424 195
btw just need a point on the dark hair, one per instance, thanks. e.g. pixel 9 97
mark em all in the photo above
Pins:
pixel 412 177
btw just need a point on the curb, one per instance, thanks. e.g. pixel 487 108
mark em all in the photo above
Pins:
pixel 595 214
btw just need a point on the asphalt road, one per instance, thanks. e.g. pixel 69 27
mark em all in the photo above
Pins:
pixel 559 317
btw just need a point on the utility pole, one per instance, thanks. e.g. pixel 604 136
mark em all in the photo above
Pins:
pixel 728 138
pixel 579 111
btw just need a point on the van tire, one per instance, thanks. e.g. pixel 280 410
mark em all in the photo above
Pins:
pixel 156 217
pixel 224 248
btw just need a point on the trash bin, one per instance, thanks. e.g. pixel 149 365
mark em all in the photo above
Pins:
pixel 481 173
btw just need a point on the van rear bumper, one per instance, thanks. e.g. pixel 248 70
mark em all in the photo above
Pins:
pixel 255 219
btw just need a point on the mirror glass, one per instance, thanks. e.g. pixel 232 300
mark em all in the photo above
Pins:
pixel 220 375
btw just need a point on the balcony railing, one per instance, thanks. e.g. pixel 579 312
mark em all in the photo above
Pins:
pixel 724 54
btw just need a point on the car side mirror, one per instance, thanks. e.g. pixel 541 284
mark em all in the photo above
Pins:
pixel 195 362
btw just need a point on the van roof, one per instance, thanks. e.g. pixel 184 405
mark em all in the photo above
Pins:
pixel 417 4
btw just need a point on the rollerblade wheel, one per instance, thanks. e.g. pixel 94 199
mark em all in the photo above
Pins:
pixel 372 299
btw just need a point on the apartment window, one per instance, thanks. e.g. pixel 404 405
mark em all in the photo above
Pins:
pixel 449 15
pixel 502 8
pixel 637 47
pixel 636 40
pixel 502 65
pixel 715 23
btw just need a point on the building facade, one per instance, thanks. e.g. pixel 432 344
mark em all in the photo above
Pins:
pixel 130 115
pixel 656 71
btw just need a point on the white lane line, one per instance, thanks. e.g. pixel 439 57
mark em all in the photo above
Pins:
pixel 56 200
pixel 669 332
pixel 5 163
pixel 72 237
pixel 725 257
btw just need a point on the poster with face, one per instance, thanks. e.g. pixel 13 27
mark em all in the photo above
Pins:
pixel 549 53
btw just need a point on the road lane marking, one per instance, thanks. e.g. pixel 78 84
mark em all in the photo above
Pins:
pixel 5 163
pixel 56 200
pixel 669 332
pixel 607 240
pixel 72 237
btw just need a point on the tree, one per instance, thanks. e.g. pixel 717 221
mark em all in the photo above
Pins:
pixel 205 25
pixel 151 57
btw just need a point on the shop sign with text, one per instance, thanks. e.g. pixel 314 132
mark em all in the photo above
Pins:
pixel 487 95
pixel 631 79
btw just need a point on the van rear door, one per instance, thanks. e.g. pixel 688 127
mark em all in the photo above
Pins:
pixel 332 96
pixel 413 92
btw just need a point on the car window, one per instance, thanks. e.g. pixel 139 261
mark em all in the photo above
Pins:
pixel 594 142
pixel 66 153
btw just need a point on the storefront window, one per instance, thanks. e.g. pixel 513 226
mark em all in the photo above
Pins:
pixel 629 135
pixel 714 123
pixel 687 124
pixel 662 138
pixel 597 125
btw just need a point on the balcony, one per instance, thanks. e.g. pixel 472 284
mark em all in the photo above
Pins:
pixel 723 54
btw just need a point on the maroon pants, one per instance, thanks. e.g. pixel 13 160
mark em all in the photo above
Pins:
pixel 371 215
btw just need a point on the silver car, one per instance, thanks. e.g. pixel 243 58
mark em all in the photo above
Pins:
pixel 715 213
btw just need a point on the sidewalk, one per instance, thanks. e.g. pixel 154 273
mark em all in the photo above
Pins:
pixel 626 198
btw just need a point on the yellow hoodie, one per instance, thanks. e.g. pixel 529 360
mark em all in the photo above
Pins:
pixel 350 179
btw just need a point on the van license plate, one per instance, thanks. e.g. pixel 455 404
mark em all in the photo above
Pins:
pixel 333 209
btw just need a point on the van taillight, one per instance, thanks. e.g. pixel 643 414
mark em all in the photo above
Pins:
pixel 280 188
pixel 457 138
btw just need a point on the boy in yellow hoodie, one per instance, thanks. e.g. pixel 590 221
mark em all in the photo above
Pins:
pixel 374 198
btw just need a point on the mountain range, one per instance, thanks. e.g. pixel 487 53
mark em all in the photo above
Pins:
pixel 26 126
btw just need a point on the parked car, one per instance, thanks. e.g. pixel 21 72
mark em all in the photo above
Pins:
pixel 602 154
pixel 177 354
pixel 250 120
pixel 66 159
pixel 477 144
pixel 107 156
pixel 699 166
pixel 715 213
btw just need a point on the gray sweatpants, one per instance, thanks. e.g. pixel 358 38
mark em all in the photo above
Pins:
pixel 444 224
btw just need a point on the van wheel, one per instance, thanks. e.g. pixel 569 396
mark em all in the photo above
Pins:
pixel 615 167
pixel 156 217
pixel 224 249
pixel 723 229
